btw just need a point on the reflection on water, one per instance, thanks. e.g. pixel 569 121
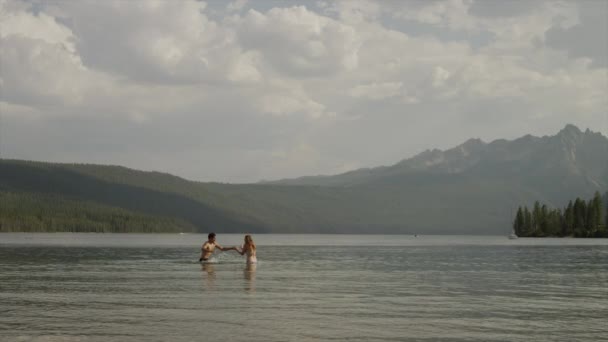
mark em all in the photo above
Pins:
pixel 210 276
pixel 249 275
pixel 209 268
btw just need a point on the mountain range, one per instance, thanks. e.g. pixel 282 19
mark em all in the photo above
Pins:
pixel 473 188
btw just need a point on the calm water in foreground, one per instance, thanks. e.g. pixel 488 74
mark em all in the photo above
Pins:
pixel 111 287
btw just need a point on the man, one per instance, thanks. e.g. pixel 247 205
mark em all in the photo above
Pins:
pixel 209 247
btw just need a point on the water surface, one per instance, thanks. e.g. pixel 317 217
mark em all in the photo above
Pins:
pixel 117 287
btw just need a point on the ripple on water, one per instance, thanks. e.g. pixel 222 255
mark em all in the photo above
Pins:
pixel 357 293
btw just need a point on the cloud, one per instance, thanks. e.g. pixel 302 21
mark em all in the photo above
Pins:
pixel 292 102
pixel 299 43
pixel 152 41
pixel 38 60
pixel 16 20
pixel 500 8
pixel 375 91
pixel 34 72
pixel 12 110
pixel 510 24
pixel 247 90
pixel 452 14
pixel 577 39
pixel 353 11
pixel 236 6
pixel 440 76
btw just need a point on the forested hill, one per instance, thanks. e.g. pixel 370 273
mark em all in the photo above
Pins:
pixel 35 195
pixel 470 189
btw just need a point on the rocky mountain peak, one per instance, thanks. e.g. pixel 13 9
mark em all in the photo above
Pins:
pixel 570 132
pixel 570 137
pixel 473 142
pixel 570 129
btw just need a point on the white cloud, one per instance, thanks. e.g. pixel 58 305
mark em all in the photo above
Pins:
pixel 290 103
pixel 38 72
pixel 299 43
pixel 288 91
pixel 18 111
pixel 440 75
pixel 37 58
pixel 152 41
pixel 246 68
pixel 236 6
pixel 377 91
pixel 15 20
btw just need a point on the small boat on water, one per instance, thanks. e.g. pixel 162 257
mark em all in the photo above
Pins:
pixel 513 236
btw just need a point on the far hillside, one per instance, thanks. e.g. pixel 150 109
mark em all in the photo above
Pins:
pixel 473 188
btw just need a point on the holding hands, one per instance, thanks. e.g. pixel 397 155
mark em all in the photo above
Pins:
pixel 248 248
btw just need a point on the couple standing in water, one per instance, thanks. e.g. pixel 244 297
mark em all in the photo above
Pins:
pixel 210 245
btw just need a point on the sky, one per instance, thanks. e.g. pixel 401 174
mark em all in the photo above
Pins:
pixel 245 91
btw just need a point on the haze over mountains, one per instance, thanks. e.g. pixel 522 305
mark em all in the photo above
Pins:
pixel 473 188
pixel 571 153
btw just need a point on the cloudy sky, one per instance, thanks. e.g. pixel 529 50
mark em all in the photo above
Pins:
pixel 249 90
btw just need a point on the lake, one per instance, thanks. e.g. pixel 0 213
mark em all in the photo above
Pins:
pixel 136 287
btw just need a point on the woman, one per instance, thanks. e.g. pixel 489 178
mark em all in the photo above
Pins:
pixel 249 248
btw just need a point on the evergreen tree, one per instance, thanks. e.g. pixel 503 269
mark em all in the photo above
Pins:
pixel 536 217
pixel 543 224
pixel 518 224
pixel 606 212
pixel 579 215
pixel 598 210
pixel 579 218
pixel 527 231
pixel 568 224
pixel 554 223
pixel 594 212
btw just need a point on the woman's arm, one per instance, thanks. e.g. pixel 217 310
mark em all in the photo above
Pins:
pixel 243 250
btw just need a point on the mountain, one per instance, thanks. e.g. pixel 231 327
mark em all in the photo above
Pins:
pixel 569 156
pixel 473 188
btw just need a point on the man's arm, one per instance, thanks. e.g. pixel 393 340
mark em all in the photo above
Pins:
pixel 223 249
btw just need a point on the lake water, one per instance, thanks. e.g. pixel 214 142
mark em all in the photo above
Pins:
pixel 132 287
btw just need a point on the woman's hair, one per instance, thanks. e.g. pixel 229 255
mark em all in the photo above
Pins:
pixel 249 241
